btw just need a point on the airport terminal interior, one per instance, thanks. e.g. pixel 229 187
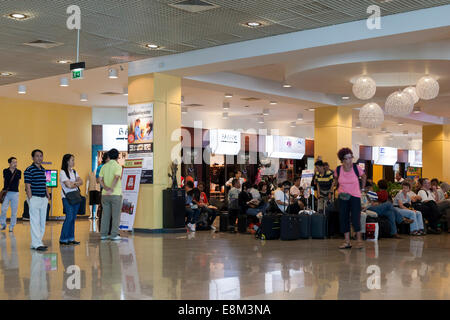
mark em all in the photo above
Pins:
pixel 225 96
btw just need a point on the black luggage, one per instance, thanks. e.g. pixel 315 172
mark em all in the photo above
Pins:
pixel 305 225
pixel 223 227
pixel 270 227
pixel 290 227
pixel 242 223
pixel 319 226
pixel 385 227
pixel 403 228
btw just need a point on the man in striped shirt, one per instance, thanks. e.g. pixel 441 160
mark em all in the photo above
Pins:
pixel 37 197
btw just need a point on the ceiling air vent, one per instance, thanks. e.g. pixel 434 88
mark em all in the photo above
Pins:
pixel 250 99
pixel 112 93
pixel 194 6
pixel 44 44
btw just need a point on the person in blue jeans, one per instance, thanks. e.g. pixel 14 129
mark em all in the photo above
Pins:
pixel 70 182
pixel 192 210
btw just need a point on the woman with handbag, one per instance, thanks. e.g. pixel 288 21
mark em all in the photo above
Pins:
pixel 71 197
pixel 349 189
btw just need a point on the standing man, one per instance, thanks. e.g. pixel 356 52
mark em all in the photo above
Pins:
pixel 324 180
pixel 238 176
pixel 11 177
pixel 37 197
pixel 110 180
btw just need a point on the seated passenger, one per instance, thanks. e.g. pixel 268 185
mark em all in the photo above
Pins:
pixel 442 203
pixel 192 210
pixel 386 209
pixel 433 215
pixel 281 196
pixel 206 207
pixel 402 203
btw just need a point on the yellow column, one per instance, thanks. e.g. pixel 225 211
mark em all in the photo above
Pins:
pixel 436 152
pixel 332 131
pixel 165 93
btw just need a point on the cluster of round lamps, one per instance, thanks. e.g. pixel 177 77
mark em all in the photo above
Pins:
pixel 399 103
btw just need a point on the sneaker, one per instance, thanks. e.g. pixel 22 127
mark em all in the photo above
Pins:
pixel 104 237
pixel 213 228
pixel 192 227
pixel 116 238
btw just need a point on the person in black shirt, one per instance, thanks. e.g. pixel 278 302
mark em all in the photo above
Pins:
pixel 11 178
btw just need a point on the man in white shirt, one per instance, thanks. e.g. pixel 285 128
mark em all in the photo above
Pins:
pixel 238 176
pixel 433 215
pixel 398 177
pixel 282 196
pixel 295 191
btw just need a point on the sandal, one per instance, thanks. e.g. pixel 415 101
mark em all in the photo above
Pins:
pixel 345 245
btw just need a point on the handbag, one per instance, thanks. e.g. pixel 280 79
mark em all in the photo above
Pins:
pixel 4 192
pixel 344 196
pixel 73 197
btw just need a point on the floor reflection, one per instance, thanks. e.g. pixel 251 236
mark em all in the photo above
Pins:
pixel 220 266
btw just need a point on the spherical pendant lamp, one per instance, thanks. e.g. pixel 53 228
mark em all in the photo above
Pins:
pixel 412 91
pixel 364 88
pixel 399 104
pixel 371 116
pixel 427 88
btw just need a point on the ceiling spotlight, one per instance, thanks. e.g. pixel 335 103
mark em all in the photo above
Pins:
pixel 64 82
pixel 400 123
pixel 273 103
pixel 370 135
pixel 261 120
pixel 311 109
pixel 184 110
pixel 416 109
pixel 228 95
pixel 152 46
pixel 358 125
pixel 125 91
pixel 22 89
pixel 84 97
pixel 266 112
pixel 225 115
pixel 112 73
pixel 226 105
pixel 300 117
pixel 293 125
pixel 286 85
pixel 17 16
pixel 182 99
pixel 5 74
pixel 254 24
pixel 345 98
pixel 384 130
pixel 63 61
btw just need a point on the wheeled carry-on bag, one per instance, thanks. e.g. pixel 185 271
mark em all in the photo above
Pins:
pixel 290 227
pixel 270 227
pixel 305 224
pixel 223 227
pixel 319 226
pixel 242 223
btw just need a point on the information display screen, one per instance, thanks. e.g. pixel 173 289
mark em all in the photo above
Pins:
pixel 51 178
pixel 384 156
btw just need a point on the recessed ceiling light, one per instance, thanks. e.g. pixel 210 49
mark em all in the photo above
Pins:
pixel 125 91
pixel 17 16
pixel 416 109
pixel 266 112
pixel 64 82
pixel 225 115
pixel 358 125
pixel 182 99
pixel 113 73
pixel 286 85
pixel 345 98
pixel 254 24
pixel 273 103
pixel 293 125
pixel 152 46
pixel 300 117
pixel 400 123
pixel 6 74
pixel 184 110
pixel 22 89
pixel 83 97
pixel 261 120
pixel 228 95
pixel 64 61
pixel 311 109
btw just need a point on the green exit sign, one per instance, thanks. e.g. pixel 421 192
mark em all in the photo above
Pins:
pixel 77 74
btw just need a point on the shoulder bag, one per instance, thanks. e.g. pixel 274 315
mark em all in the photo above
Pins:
pixel 73 197
pixel 4 192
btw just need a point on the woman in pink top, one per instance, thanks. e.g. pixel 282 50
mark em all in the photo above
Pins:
pixel 347 177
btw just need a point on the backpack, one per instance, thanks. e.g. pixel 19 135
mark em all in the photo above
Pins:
pixel 355 169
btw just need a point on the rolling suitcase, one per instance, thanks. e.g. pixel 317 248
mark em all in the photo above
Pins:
pixel 270 227
pixel 242 223
pixel 319 226
pixel 305 225
pixel 223 227
pixel 290 227
pixel 385 228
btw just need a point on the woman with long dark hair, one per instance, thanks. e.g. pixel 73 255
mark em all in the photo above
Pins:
pixel 71 197
pixel 347 177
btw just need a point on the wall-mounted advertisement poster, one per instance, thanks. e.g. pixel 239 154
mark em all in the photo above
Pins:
pixel 285 147
pixel 227 142
pixel 140 138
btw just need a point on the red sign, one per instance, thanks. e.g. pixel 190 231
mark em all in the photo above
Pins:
pixel 131 182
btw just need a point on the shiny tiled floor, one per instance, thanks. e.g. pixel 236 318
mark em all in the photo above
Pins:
pixel 220 266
